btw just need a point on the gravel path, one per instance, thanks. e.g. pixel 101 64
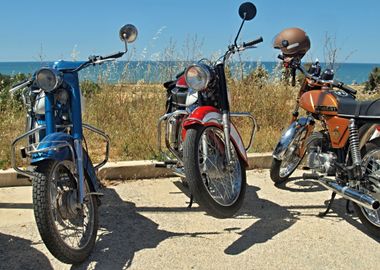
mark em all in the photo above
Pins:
pixel 145 225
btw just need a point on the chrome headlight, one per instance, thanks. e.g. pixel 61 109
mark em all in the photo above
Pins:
pixel 198 76
pixel 48 79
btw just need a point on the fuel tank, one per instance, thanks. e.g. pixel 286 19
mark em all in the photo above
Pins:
pixel 319 101
pixel 326 102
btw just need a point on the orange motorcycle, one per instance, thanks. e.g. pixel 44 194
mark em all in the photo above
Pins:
pixel 344 155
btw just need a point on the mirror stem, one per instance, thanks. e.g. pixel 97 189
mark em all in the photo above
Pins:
pixel 241 26
pixel 126 46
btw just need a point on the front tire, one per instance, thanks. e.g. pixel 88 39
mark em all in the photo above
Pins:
pixel 218 189
pixel 281 170
pixel 68 232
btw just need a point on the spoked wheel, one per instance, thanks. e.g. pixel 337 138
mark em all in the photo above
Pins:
pixel 215 186
pixel 281 170
pixel 371 167
pixel 67 228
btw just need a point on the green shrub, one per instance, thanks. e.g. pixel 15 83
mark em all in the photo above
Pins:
pixel 89 88
pixel 373 81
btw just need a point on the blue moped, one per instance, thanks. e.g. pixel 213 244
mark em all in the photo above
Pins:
pixel 66 189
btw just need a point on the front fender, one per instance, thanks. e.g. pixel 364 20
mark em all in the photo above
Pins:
pixel 288 136
pixel 210 116
pixel 51 144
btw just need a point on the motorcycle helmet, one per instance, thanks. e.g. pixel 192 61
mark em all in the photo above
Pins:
pixel 293 42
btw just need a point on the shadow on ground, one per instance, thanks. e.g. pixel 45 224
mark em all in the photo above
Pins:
pixel 123 232
pixel 19 253
pixel 272 220
pixel 298 184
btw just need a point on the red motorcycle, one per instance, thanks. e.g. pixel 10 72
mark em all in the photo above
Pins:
pixel 208 152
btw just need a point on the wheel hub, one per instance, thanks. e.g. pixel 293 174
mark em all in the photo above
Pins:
pixel 67 204
pixel 214 166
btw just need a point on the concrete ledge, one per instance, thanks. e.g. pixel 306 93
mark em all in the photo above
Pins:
pixel 9 178
pixel 127 170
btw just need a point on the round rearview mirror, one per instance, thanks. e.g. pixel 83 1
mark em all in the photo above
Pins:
pixel 247 11
pixel 128 33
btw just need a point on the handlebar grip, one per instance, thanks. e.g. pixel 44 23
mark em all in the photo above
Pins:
pixel 345 88
pixel 19 83
pixel 281 57
pixel 115 55
pixel 17 86
pixel 253 42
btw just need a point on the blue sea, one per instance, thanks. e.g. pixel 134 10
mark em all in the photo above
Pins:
pixel 159 71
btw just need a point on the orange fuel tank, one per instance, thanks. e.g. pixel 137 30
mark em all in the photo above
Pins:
pixel 317 101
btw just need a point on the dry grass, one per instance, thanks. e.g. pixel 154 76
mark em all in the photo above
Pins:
pixel 129 114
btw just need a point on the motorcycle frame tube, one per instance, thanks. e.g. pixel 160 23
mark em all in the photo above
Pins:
pixel 288 136
pixel 210 116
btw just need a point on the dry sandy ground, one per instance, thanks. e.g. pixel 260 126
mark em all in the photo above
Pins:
pixel 145 225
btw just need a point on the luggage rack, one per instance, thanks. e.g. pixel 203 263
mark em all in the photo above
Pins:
pixel 32 149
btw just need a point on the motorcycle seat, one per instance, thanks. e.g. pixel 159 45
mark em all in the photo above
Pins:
pixel 350 108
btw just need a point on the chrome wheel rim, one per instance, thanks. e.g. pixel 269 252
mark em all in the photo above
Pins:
pixel 73 224
pixel 289 162
pixel 222 183
pixel 371 168
pixel 291 158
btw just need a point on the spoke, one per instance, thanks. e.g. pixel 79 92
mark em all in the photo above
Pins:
pixel 221 184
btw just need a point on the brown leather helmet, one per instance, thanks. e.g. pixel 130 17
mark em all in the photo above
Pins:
pixel 293 42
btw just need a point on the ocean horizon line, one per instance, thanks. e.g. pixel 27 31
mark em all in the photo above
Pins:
pixel 168 61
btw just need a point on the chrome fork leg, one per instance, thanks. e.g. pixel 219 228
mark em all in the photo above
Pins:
pixel 227 141
pixel 80 171
pixel 204 150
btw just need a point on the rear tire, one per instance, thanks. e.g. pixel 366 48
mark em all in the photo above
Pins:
pixel 50 218
pixel 197 180
pixel 371 225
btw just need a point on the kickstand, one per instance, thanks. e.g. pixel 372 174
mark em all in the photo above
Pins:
pixel 348 210
pixel 323 214
pixel 191 201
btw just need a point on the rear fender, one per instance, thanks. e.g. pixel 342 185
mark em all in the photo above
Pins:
pixel 210 116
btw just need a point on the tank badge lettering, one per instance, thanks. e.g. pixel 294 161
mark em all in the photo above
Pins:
pixel 327 108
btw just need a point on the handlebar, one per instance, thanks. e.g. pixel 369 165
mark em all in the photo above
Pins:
pixel 97 59
pixel 253 42
pixel 238 48
pixel 112 56
pixel 344 87
pixel 22 84
pixel 297 65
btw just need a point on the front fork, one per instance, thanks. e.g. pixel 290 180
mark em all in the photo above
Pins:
pixel 80 171
pixel 227 130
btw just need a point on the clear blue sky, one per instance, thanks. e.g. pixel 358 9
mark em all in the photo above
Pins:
pixel 92 26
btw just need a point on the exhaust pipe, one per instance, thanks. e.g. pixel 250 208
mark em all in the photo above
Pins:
pixel 354 195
